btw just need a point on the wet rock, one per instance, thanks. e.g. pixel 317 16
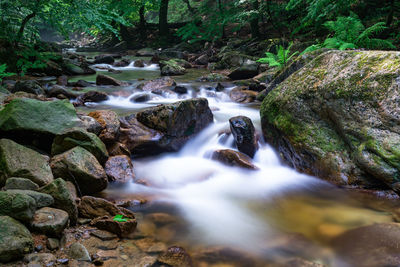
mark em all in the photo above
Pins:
pixel 241 95
pixel 62 80
pixel 41 259
pixel 180 90
pixel 103 235
pixel 213 77
pixel 77 251
pixel 79 137
pixel 136 137
pixel 15 239
pixel 161 219
pixel 380 241
pixel 63 198
pixel 232 59
pixel 140 98
pixel 118 149
pixel 29 86
pixel 157 84
pixel 243 131
pixel 52 243
pixel 121 229
pixel 177 122
pixel 219 87
pixel 171 68
pixel 150 245
pixel 139 63
pixel 73 68
pixel 107 80
pixel 248 70
pixel 233 158
pixel 93 207
pixel 104 59
pixel 18 206
pixel 50 221
pixel 80 166
pixel 146 52
pixel 20 183
pixel 122 63
pixel 36 121
pixel 81 83
pixel 202 60
pixel 91 96
pixel 175 256
pixel 20 161
pixel 114 71
pixel 91 124
pixel 41 199
pixel 110 124
pixel 57 90
pixel 322 115
pixel 119 169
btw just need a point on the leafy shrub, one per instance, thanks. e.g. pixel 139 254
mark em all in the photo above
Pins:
pixel 280 59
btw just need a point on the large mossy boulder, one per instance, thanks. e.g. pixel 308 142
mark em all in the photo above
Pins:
pixel 19 206
pixel 338 118
pixel 15 239
pixel 19 161
pixel 171 68
pixel 80 137
pixel 35 121
pixel 79 166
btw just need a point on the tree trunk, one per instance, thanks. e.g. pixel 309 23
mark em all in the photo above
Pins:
pixel 23 25
pixel 190 8
pixel 142 23
pixel 163 18
pixel 255 31
pixel 389 19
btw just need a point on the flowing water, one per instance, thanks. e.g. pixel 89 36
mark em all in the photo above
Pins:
pixel 228 216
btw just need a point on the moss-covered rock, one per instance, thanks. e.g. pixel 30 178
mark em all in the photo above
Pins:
pixel 338 118
pixel 41 199
pixel 80 137
pixel 19 206
pixel 19 161
pixel 171 68
pixel 81 167
pixel 63 198
pixel 37 121
pixel 15 239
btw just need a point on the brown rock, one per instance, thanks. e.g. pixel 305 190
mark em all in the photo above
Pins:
pixel 62 80
pixel 92 207
pixel 139 63
pixel 107 80
pixel 110 124
pixel 157 84
pixel 175 256
pixel 119 169
pixel 241 95
pixel 233 158
pixel 118 148
pixel 121 229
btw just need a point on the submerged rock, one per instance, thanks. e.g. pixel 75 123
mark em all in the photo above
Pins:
pixel 80 166
pixel 175 256
pixel 338 118
pixel 20 161
pixel 15 239
pixel 77 251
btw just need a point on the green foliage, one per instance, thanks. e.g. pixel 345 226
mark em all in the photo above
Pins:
pixel 119 218
pixel 280 59
pixel 4 73
pixel 350 33
pixel 29 58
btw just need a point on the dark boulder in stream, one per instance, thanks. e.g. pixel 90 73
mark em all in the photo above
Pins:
pixel 338 118
pixel 165 128
pixel 244 134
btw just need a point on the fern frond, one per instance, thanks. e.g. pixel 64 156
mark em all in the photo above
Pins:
pixel 345 46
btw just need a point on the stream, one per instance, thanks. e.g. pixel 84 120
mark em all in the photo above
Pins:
pixel 228 216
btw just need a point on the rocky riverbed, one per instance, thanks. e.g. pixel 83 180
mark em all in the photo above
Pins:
pixel 128 168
